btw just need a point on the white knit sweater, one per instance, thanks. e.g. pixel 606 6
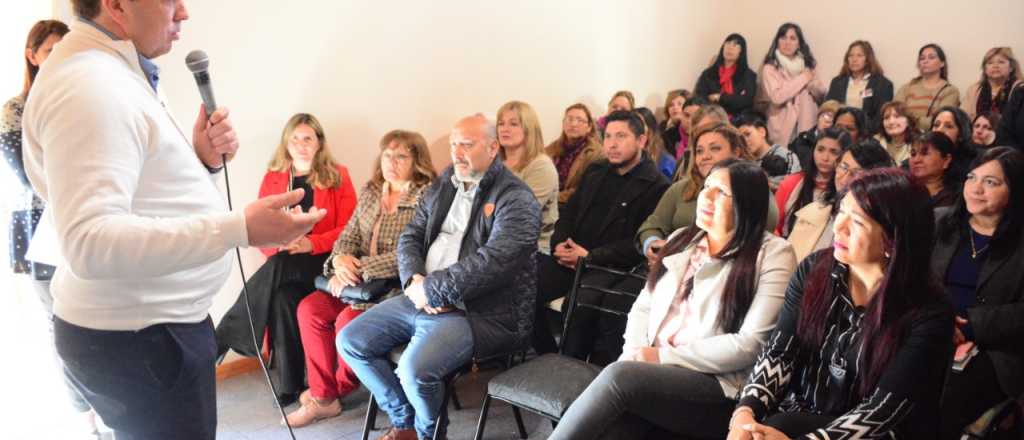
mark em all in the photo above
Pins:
pixel 143 230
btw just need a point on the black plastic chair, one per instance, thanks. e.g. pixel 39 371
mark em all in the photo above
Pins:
pixel 547 385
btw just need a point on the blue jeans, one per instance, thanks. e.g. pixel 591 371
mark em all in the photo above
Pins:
pixel 155 383
pixel 411 394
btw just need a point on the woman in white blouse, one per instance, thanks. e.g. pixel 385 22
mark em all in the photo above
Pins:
pixel 711 300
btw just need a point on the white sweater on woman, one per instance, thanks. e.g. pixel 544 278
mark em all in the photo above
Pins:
pixel 143 230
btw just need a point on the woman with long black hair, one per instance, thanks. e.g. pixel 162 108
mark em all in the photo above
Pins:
pixel 711 298
pixel 812 183
pixel 729 82
pixel 863 341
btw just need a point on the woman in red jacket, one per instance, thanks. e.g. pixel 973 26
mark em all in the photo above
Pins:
pixel 302 160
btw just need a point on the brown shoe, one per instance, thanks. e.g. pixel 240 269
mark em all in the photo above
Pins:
pixel 399 434
pixel 312 412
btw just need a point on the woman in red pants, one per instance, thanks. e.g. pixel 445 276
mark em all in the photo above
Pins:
pixel 365 251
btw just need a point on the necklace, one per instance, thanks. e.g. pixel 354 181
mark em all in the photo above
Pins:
pixel 975 251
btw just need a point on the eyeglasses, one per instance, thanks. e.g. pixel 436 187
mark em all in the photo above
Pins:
pixel 394 158
pixel 846 168
pixel 572 120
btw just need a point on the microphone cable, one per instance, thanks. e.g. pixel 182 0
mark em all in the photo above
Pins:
pixel 248 311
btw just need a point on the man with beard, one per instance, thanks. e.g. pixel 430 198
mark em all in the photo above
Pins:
pixel 467 267
pixel 614 197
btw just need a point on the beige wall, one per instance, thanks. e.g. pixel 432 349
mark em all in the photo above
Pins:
pixel 896 30
pixel 365 68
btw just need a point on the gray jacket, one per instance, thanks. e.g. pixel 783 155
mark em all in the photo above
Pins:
pixel 495 277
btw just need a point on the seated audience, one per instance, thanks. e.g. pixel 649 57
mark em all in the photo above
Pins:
pixel 622 100
pixel 671 128
pixel 861 84
pixel 466 261
pixel 791 84
pixel 777 161
pixel 983 135
pixel 302 160
pixel 655 147
pixel 804 143
pixel 897 132
pixel 615 195
pixel 729 82
pixel 711 300
pixel 522 151
pixel 1010 130
pixel 862 346
pixel 812 183
pixel 574 150
pixel 677 208
pixel 955 124
pixel 363 253
pixel 852 120
pixel 930 90
pixel 705 116
pixel 932 163
pixel 978 255
pixel 1000 73
pixel 812 227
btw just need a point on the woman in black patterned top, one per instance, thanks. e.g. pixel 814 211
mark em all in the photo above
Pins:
pixel 862 344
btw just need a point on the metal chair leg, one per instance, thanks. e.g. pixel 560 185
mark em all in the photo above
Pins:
pixel 455 400
pixel 519 422
pixel 371 417
pixel 483 418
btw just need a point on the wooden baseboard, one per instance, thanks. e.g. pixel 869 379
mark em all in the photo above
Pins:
pixel 237 367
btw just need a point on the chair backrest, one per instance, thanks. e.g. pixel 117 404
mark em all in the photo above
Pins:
pixel 583 266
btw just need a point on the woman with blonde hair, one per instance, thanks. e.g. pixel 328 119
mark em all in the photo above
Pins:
pixel 1000 73
pixel 301 160
pixel 672 129
pixel 574 150
pixel 522 149
pixel 365 252
pixel 621 100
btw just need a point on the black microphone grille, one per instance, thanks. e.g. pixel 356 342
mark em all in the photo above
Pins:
pixel 197 61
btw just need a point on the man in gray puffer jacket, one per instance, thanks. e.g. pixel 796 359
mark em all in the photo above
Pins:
pixel 467 264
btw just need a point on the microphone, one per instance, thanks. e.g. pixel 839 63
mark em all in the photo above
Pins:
pixel 199 63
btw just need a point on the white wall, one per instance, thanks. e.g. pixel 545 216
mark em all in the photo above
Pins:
pixel 365 68
pixel 896 30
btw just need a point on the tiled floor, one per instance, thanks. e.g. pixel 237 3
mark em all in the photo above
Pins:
pixel 246 411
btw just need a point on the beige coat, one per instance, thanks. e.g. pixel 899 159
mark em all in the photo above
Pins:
pixel 810 223
pixel 728 356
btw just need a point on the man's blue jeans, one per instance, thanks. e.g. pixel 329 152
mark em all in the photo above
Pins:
pixel 412 394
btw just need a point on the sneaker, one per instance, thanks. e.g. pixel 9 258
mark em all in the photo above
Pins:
pixel 313 411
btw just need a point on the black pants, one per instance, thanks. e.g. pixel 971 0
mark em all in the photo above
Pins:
pixel 595 335
pixel 155 383
pixel 629 400
pixel 968 394
pixel 275 291
pixel 553 281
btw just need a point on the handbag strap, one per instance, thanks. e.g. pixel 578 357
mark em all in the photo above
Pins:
pixel 936 98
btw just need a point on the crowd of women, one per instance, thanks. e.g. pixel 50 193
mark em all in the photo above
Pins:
pixel 823 255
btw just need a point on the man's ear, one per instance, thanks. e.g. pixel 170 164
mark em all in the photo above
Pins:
pixel 115 10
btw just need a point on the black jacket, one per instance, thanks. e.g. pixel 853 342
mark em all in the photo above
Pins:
pixel 998 314
pixel 881 93
pixel 1011 128
pixel 496 275
pixel 744 90
pixel 631 207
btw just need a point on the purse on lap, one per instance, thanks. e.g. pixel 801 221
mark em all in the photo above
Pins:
pixel 366 292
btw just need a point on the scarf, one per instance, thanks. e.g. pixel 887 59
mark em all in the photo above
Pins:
pixel 563 163
pixel 793 65
pixel 725 75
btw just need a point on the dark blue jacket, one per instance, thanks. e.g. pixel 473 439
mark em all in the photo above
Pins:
pixel 495 277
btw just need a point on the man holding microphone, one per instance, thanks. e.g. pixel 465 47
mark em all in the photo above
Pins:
pixel 142 227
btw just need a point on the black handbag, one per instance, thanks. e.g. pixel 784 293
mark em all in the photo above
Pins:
pixel 366 292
